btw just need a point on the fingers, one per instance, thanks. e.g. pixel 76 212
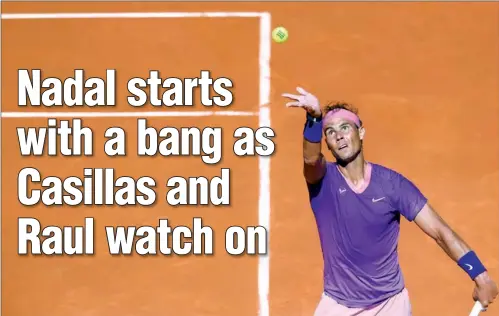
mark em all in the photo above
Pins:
pixel 294 104
pixel 299 100
pixel 301 90
pixel 485 305
pixel 291 96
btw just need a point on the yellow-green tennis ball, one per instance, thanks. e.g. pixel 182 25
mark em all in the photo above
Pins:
pixel 280 34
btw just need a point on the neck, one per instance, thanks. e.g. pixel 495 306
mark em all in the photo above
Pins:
pixel 354 170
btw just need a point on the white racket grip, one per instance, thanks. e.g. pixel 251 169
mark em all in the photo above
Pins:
pixel 477 308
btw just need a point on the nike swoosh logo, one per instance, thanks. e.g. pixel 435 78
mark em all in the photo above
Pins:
pixel 469 265
pixel 377 200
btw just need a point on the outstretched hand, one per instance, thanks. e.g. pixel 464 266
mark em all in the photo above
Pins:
pixel 304 100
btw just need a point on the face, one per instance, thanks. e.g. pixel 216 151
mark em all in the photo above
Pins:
pixel 343 138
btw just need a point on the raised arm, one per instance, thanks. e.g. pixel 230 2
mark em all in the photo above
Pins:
pixel 456 248
pixel 314 163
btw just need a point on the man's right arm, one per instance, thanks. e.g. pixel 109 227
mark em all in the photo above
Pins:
pixel 314 163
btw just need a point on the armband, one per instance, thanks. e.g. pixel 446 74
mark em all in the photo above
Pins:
pixel 471 265
pixel 312 130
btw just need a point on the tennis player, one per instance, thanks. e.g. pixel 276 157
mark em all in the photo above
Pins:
pixel 357 207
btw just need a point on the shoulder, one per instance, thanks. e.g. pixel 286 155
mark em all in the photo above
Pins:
pixel 386 173
pixel 330 176
pixel 391 180
pixel 331 172
pixel 331 166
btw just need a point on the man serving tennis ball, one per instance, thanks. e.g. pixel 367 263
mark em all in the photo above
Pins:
pixel 357 207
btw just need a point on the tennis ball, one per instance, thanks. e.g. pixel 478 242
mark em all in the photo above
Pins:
pixel 280 34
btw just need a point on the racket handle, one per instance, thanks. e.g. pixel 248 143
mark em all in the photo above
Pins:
pixel 477 308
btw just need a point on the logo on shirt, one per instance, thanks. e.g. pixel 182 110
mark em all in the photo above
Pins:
pixel 342 190
pixel 377 200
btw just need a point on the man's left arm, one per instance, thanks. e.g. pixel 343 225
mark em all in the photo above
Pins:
pixel 458 250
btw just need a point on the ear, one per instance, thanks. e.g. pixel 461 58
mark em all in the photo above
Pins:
pixel 362 132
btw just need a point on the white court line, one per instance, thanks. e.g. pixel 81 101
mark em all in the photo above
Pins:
pixel 264 112
pixel 129 15
pixel 264 162
pixel 124 114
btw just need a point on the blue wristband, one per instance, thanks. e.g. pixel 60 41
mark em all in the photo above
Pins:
pixel 471 265
pixel 312 130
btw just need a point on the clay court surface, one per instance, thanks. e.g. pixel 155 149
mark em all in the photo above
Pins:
pixel 424 76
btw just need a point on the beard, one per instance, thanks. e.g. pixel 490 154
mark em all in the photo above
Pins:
pixel 343 161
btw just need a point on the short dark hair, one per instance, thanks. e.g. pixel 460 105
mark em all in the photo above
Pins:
pixel 333 106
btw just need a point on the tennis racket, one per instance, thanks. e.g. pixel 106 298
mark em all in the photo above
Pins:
pixel 477 308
